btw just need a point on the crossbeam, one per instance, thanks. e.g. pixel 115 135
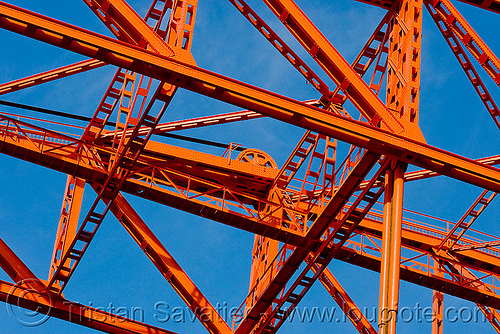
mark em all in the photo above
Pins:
pixel 293 262
pixel 491 5
pixel 17 270
pixel 127 25
pixel 168 267
pixel 332 62
pixel 48 76
pixel 246 96
pixel 74 312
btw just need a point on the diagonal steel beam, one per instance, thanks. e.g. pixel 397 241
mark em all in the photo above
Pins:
pixel 120 169
pixel 68 220
pixel 491 5
pixel 283 48
pixel 455 22
pixel 321 223
pixel 73 312
pixel 17 270
pixel 317 261
pixel 127 25
pixel 337 68
pixel 127 154
pixel 466 221
pixel 44 77
pixel 346 304
pixel 368 54
pixel 166 264
pixel 123 81
pixel 467 66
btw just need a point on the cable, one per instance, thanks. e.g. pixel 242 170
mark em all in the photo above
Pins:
pixel 44 110
pixel 88 119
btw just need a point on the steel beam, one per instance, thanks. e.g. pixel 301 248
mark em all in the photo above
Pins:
pixel 17 270
pixel 126 157
pixel 44 77
pixel 128 26
pixel 412 239
pixel 346 304
pixel 423 278
pixel 62 160
pixel 332 62
pixel 121 90
pixel 437 306
pixel 455 22
pixel 391 249
pixel 166 264
pixel 68 220
pixel 467 66
pixel 491 5
pixel 466 221
pixel 118 14
pixel 403 72
pixel 316 262
pixel 283 48
pixel 246 96
pixel 270 295
pixel 73 312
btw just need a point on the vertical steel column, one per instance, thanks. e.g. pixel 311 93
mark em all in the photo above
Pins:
pixel 391 248
pixel 437 304
pixel 403 74
pixel 402 98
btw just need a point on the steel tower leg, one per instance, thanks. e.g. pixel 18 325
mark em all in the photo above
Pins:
pixel 437 303
pixel 391 248
pixel 437 309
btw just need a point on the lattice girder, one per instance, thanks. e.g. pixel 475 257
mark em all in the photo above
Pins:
pixel 336 202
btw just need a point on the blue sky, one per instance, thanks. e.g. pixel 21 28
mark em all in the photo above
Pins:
pixel 217 257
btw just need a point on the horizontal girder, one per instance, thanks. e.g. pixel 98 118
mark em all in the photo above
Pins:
pixel 232 91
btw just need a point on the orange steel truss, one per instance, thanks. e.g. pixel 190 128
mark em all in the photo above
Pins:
pixel 325 203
